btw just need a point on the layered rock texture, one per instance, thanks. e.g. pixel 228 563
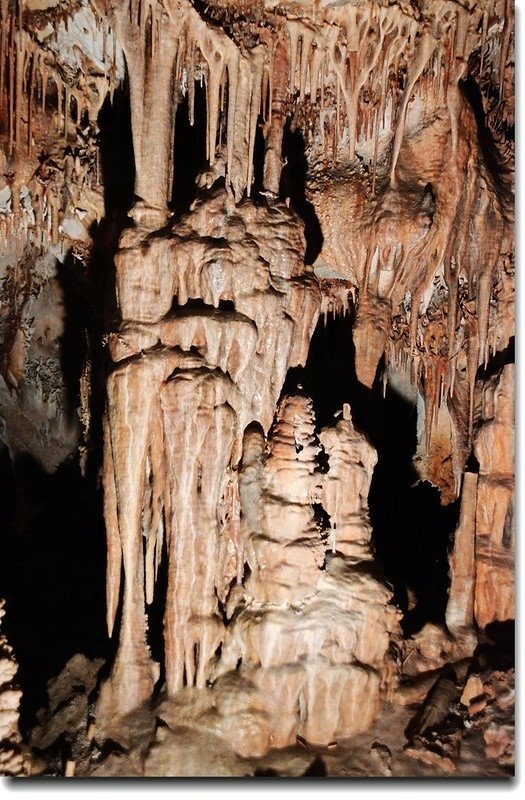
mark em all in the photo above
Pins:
pixel 190 194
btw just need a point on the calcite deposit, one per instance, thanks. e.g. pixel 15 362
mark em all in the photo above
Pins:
pixel 12 757
pixel 243 247
pixel 314 632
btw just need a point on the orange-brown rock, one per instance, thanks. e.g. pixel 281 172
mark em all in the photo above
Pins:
pixel 188 380
pixel 494 593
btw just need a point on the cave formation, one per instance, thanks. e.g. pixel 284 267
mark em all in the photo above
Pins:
pixel 257 388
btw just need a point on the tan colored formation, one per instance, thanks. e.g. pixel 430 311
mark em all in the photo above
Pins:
pixel 13 759
pixel 494 597
pixel 51 93
pixel 57 66
pixel 187 389
pixel 273 610
pixel 313 633
pixel 188 381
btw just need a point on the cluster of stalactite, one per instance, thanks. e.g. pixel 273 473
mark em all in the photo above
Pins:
pixel 428 240
pixel 50 97
pixel 58 63
pixel 427 299
pixel 343 63
pixel 419 238
pixel 360 81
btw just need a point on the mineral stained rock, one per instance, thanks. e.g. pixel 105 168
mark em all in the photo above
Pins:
pixel 357 162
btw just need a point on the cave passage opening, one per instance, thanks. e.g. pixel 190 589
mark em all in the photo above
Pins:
pixel 293 187
pixel 412 531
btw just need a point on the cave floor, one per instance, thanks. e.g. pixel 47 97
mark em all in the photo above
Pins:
pixel 473 738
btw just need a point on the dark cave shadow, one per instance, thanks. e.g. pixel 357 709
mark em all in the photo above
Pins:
pixel 411 529
pixel 497 650
pixel 73 280
pixel 118 179
pixel 189 157
pixel 497 361
pixel 88 289
pixel 155 615
pixel 317 769
pixel 52 572
pixel 293 185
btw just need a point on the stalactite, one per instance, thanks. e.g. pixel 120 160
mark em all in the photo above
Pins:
pixel 276 121
pixel 294 31
pixel 11 95
pixel 254 107
pixel 4 33
pixel 424 52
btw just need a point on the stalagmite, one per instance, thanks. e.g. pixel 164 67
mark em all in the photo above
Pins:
pixel 305 673
pixel 494 596
pixel 276 123
pixel 198 402
pixel 345 493
pixel 460 607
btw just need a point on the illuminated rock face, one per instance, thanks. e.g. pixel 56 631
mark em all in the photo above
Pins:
pixel 191 375
pixel 214 474
pixel 188 380
pixel 482 565
pixel 315 624
pixel 495 544
pixel 12 760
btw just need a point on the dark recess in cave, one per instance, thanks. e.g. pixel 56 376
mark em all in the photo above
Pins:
pixel 118 179
pixel 74 282
pixel 155 614
pixel 497 361
pixel 116 152
pixel 259 147
pixel 52 572
pixel 411 529
pixel 190 150
pixel 499 171
pixel 190 154
pixel 293 185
